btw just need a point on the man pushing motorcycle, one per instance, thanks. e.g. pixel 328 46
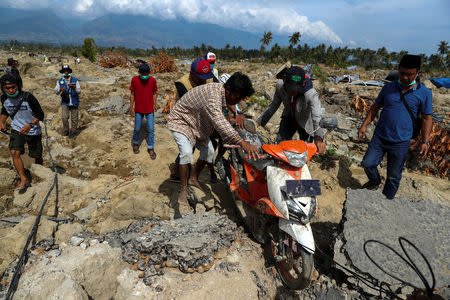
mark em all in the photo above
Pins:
pixel 302 110
pixel 197 114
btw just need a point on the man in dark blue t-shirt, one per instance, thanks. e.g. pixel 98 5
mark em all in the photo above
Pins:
pixel 395 126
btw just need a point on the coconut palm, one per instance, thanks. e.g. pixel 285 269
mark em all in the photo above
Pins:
pixel 294 39
pixel 266 39
pixel 443 48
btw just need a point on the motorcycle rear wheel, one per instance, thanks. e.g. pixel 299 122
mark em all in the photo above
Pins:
pixel 296 266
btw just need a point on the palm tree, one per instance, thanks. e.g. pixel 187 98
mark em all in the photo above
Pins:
pixel 294 39
pixel 267 38
pixel 443 48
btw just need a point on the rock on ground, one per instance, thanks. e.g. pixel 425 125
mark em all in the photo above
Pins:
pixel 113 104
pixel 75 274
pixel 369 215
pixel 7 177
pixel 12 243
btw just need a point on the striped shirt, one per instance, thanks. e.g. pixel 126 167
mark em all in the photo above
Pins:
pixel 199 112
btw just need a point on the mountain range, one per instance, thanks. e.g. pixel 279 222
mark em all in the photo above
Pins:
pixel 132 31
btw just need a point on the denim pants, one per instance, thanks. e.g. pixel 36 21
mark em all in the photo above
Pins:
pixel 138 117
pixel 396 156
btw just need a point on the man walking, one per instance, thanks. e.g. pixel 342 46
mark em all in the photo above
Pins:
pixel 12 69
pixel 401 101
pixel 197 114
pixel 142 104
pixel 69 89
pixel 25 112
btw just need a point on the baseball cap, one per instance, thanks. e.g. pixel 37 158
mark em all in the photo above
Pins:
pixel 210 57
pixel 294 79
pixel 201 69
pixel 144 68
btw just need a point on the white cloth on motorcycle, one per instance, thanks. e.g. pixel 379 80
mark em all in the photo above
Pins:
pixel 302 188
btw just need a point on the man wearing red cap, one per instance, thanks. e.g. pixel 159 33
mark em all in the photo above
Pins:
pixel 196 77
pixel 402 102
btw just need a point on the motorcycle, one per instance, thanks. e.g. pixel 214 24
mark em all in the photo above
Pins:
pixel 276 197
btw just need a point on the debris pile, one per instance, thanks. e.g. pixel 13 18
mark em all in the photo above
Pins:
pixel 361 105
pixel 170 102
pixel 162 63
pixel 188 244
pixel 113 59
pixel 438 157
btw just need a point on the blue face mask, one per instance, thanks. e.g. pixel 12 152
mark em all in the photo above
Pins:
pixel 145 77
pixel 405 85
pixel 68 75
pixel 12 95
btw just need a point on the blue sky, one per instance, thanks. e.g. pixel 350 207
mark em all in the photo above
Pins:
pixel 416 26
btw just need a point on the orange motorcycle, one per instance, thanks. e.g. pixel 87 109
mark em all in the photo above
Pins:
pixel 276 198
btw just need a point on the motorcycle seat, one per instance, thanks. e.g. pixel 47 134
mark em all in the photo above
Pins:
pixel 253 138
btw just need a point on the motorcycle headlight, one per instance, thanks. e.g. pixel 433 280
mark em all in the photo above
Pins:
pixel 296 159
pixel 296 213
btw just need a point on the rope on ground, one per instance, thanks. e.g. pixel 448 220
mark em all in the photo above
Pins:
pixel 24 256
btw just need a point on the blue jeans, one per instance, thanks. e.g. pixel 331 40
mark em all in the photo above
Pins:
pixel 138 117
pixel 396 156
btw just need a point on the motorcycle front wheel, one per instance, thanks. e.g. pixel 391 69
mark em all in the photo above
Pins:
pixel 294 264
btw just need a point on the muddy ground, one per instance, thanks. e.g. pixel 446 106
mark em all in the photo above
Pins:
pixel 103 186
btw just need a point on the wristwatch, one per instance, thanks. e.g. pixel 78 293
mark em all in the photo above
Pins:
pixel 426 143
pixel 32 125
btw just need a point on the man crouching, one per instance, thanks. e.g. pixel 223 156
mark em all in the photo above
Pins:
pixel 25 112
pixel 195 116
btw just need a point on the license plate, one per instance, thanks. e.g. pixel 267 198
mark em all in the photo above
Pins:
pixel 303 188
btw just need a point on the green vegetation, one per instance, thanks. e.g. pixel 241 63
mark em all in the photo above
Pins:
pixel 261 101
pixel 339 57
pixel 317 70
pixel 89 49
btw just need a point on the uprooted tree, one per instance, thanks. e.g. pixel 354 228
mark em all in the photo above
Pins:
pixel 113 59
pixel 162 63
pixel 89 49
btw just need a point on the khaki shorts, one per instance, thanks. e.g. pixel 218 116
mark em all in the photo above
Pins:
pixel 17 142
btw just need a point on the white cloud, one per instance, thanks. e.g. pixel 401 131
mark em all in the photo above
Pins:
pixel 253 16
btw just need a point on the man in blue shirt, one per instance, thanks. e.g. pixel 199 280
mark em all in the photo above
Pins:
pixel 395 126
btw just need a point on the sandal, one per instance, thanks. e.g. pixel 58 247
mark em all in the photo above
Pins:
pixel 135 149
pixel 22 189
pixel 175 178
pixel 152 154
